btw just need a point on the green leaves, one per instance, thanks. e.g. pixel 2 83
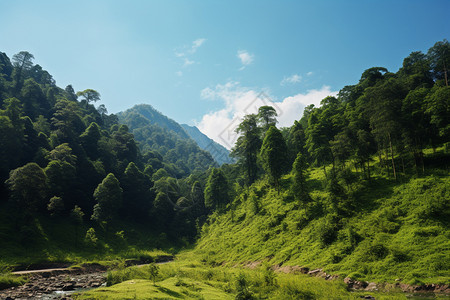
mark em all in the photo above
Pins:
pixel 216 191
pixel 108 195
pixel 274 155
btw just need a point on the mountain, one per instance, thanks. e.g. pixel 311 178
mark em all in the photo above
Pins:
pixel 157 133
pixel 67 169
pixel 220 153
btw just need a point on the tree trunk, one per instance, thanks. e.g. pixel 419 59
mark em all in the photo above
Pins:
pixel 403 167
pixel 325 171
pixel 368 168
pixel 386 165
pixel 445 75
pixel 421 160
pixel 392 156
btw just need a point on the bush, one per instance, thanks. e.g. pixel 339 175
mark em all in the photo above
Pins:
pixel 327 229
pixel 90 239
pixel 55 206
pixel 376 251
pixel 290 290
pixel 242 288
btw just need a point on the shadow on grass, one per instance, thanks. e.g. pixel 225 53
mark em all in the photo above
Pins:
pixel 169 292
pixel 373 190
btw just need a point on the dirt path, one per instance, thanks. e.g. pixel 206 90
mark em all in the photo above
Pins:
pixel 25 272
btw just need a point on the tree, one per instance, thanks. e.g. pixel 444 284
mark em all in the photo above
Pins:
pixel 22 62
pixel 341 147
pixel 216 191
pixel 71 93
pixel 299 186
pixel 89 139
pixel 33 98
pixel 438 108
pixel 28 186
pixel 108 195
pixel 61 176
pixel 154 272
pixel 11 141
pixel 365 148
pixel 384 101
pixel 63 153
pixel 248 146
pixel 76 214
pixel 274 155
pixel 89 95
pixel 267 117
pixel 296 141
pixel 55 206
pixel 198 199
pixel 67 121
pixel 317 140
pixel 439 56
pixel 137 199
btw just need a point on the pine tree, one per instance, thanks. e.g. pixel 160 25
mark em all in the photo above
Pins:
pixel 274 155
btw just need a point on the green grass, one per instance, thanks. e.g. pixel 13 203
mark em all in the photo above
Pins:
pixel 395 229
pixel 9 280
pixel 190 278
pixel 171 288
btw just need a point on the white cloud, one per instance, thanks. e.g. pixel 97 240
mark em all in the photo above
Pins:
pixel 309 73
pixel 188 62
pixel 291 79
pixel 186 52
pixel 239 101
pixel 293 106
pixel 196 44
pixel 245 57
pixel 179 73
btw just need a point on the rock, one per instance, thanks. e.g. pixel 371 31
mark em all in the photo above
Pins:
pixel 314 272
pixel 372 286
pixel 69 286
pixel 348 280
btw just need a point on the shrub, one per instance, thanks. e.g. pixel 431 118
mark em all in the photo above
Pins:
pixel 55 206
pixel 90 239
pixel 376 251
pixel 327 229
pixel 242 288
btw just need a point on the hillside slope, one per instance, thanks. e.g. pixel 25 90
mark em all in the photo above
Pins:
pixel 395 229
pixel 220 154
pixel 156 132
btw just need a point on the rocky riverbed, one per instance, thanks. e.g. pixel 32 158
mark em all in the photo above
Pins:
pixel 57 284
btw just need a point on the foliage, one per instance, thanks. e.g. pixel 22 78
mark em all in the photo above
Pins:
pixel 109 199
pixel 216 191
pixel 274 155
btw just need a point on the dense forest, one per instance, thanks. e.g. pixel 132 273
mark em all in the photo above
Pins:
pixel 62 158
pixel 358 185
pixel 156 132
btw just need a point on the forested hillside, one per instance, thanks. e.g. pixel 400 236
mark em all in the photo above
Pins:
pixel 220 154
pixel 68 166
pixel 358 186
pixel 159 134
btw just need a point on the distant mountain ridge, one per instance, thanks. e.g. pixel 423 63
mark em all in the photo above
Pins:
pixel 220 154
pixel 155 131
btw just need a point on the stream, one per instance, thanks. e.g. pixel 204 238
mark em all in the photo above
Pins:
pixel 61 283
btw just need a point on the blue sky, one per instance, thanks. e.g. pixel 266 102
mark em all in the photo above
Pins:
pixel 203 62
